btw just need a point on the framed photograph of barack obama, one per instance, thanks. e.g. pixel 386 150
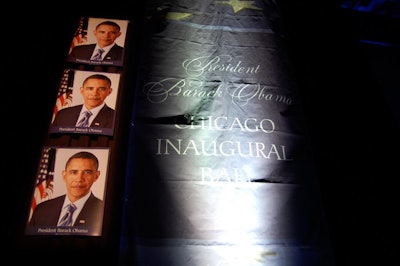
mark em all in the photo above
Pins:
pixel 69 192
pixel 86 103
pixel 99 41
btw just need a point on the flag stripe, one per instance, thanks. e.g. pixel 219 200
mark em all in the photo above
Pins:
pixel 45 177
pixel 80 35
pixel 64 97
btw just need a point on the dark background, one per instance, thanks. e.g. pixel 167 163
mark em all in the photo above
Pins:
pixel 346 55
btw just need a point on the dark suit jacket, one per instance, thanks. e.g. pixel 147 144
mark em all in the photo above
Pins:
pixel 48 212
pixel 84 52
pixel 68 117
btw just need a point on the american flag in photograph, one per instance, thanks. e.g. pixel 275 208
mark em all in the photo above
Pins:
pixel 80 35
pixel 64 96
pixel 45 177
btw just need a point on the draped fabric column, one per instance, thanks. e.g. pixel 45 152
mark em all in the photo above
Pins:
pixel 220 171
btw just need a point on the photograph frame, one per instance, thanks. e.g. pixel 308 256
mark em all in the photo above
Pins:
pixel 49 186
pixel 68 96
pixel 85 42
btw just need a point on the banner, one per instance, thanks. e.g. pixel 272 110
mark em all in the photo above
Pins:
pixel 220 170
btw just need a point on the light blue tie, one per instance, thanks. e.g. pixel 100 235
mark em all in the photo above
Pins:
pixel 67 218
pixel 97 56
pixel 84 122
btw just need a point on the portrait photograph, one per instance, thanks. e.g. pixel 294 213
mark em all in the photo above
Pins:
pixel 86 103
pixel 99 41
pixel 69 192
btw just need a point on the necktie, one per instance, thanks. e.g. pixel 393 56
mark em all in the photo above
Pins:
pixel 97 56
pixel 66 220
pixel 84 122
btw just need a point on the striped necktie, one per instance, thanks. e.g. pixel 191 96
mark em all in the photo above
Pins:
pixel 97 56
pixel 84 122
pixel 67 218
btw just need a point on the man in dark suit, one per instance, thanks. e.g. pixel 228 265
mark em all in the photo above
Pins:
pixel 81 171
pixel 105 51
pixel 95 89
